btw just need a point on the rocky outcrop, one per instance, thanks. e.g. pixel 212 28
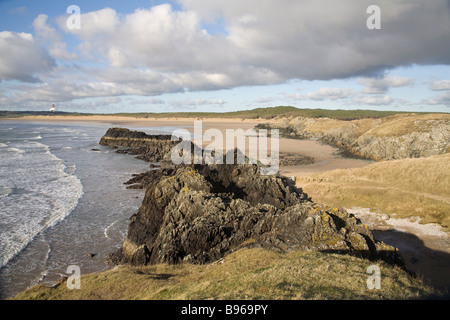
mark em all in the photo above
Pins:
pixel 200 213
pixel 152 148
pixel 433 142
pixel 294 159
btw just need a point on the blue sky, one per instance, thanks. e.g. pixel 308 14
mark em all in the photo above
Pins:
pixel 217 56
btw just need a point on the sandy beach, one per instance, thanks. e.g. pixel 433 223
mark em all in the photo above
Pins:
pixel 324 155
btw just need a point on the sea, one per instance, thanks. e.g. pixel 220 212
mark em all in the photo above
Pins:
pixel 63 201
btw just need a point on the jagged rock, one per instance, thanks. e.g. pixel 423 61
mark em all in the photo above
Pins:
pixel 200 213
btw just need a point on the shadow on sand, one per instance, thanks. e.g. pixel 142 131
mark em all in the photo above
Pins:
pixel 432 266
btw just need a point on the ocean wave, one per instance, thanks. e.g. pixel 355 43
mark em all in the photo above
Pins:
pixel 106 230
pixel 115 230
pixel 49 195
pixel 15 150
pixel 70 169
pixel 5 191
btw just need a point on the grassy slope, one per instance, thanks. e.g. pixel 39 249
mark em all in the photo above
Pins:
pixel 385 124
pixel 245 274
pixel 408 187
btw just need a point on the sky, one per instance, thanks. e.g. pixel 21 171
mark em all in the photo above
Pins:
pixel 224 55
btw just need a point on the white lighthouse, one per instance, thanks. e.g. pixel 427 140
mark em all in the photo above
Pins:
pixel 53 108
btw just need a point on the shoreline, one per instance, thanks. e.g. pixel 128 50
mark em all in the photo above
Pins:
pixel 325 155
pixel 130 119
pixel 69 147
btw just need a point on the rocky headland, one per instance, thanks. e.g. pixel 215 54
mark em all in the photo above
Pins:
pixel 201 213
pixel 393 137
pixel 147 147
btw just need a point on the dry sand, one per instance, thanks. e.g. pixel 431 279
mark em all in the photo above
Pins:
pixel 144 122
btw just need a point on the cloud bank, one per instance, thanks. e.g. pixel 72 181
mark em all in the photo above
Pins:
pixel 159 50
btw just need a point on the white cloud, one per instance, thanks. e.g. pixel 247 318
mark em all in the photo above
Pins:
pixel 329 94
pixel 372 100
pixel 49 35
pixel 442 99
pixel 323 93
pixel 22 58
pixel 101 23
pixel 191 103
pixel 440 85
pixel 264 100
pixel 382 85
pixel 152 100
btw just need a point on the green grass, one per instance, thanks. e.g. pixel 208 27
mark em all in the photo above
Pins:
pixel 245 274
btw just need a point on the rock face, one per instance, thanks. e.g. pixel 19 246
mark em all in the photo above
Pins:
pixel 395 137
pixel 411 145
pixel 200 213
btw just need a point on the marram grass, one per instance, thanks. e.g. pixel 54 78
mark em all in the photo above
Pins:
pixel 246 274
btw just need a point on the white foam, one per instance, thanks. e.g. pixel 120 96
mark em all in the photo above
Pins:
pixel 105 232
pixel 46 195
pixel 5 191
pixel 15 150
pixel 112 232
